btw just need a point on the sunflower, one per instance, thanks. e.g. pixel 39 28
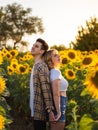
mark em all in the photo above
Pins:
pixel 96 51
pixel 4 52
pixel 64 60
pixel 27 57
pixel 88 61
pixel 2 84
pixel 84 53
pixel 92 84
pixel 79 56
pixel 2 122
pixel 91 52
pixel 21 59
pixel 26 65
pixel 1 59
pixel 30 69
pixel 14 52
pixel 10 70
pixel 14 65
pixel 72 103
pixel 69 74
pixel 8 56
pixel 72 55
pixel 22 69
pixel 63 52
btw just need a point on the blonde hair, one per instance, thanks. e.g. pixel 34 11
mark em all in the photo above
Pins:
pixel 48 58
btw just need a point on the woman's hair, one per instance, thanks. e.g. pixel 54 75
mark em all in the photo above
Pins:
pixel 48 58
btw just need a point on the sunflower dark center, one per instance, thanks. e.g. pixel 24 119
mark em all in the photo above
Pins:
pixel 71 55
pixel 10 70
pixel 8 56
pixel 22 69
pixel 12 53
pixel 95 79
pixel 87 61
pixel 64 61
pixel 14 65
pixel 70 73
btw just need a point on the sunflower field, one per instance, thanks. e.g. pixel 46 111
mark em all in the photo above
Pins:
pixel 79 68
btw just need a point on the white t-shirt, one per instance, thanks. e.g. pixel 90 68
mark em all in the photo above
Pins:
pixel 56 74
pixel 32 94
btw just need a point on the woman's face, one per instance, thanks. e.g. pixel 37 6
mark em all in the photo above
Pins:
pixel 55 58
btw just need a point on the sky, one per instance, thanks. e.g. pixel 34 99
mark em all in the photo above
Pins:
pixel 61 18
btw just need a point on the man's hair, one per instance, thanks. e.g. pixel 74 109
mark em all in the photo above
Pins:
pixel 44 44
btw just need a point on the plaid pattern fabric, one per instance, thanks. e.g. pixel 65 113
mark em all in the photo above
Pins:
pixel 42 91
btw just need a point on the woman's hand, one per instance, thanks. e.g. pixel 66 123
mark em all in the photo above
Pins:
pixel 57 116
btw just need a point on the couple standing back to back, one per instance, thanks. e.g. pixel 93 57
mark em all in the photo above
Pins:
pixel 47 88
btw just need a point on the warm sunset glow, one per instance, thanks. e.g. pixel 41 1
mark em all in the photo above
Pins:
pixel 61 18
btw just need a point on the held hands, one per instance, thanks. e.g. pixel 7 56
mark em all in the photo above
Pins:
pixel 54 118
pixel 57 116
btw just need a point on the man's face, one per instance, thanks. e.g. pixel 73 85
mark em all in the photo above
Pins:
pixel 36 49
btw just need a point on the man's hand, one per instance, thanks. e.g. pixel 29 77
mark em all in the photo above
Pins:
pixel 51 116
pixel 54 118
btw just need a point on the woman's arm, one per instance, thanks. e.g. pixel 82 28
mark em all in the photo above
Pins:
pixel 56 96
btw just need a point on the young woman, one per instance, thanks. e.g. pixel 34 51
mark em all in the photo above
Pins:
pixel 59 87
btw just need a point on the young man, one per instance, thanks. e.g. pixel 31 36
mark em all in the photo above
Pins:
pixel 41 100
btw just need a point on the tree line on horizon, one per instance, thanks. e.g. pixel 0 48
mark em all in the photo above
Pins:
pixel 17 22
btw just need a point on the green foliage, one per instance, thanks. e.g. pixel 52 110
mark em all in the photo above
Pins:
pixel 86 122
pixel 87 38
pixel 15 22
pixel 5 108
pixel 82 109
pixel 94 103
pixel 79 100
pixel 72 113
pixel 14 101
pixel 19 93
pixel 59 48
